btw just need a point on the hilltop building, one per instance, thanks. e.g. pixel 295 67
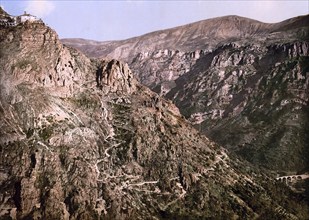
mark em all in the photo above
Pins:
pixel 11 21
pixel 26 17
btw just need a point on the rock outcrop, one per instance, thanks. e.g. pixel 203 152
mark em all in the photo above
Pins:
pixel 82 139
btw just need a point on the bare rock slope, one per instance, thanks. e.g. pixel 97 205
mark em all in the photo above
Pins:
pixel 82 139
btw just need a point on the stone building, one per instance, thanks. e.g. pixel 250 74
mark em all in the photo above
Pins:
pixel 7 20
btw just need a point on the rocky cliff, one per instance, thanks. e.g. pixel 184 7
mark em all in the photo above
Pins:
pixel 82 139
pixel 242 82
pixel 254 100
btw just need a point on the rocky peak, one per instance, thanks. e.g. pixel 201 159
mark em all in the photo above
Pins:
pixel 115 76
pixel 59 69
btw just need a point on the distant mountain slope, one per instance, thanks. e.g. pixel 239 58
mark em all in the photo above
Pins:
pixel 200 35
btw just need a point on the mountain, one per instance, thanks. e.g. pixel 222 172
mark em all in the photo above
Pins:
pixel 206 34
pixel 165 55
pixel 242 82
pixel 80 138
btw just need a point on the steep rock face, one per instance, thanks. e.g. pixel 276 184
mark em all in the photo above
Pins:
pixel 117 78
pixel 252 99
pixel 81 139
pixel 160 69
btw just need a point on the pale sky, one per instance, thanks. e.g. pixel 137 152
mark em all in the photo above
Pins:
pixel 115 20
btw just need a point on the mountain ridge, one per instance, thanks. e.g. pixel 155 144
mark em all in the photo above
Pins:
pixel 281 23
pixel 206 30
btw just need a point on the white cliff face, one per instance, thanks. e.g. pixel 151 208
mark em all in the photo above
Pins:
pixel 159 69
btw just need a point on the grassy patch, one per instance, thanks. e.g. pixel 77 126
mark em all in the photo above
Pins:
pixel 46 133
pixel 22 64
pixel 304 63
pixel 87 101
pixel 29 132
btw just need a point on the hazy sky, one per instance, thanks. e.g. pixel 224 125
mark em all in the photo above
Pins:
pixel 114 20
